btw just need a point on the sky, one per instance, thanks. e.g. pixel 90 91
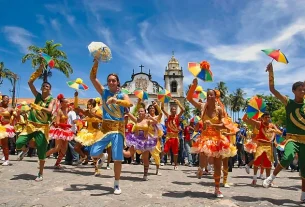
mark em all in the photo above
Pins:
pixel 229 34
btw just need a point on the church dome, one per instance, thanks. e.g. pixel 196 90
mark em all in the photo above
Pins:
pixel 173 60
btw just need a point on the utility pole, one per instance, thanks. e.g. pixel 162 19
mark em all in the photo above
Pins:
pixel 15 77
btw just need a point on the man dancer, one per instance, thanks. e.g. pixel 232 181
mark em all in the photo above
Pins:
pixel 295 129
pixel 38 123
pixel 172 128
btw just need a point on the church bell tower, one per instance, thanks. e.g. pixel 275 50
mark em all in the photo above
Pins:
pixel 173 79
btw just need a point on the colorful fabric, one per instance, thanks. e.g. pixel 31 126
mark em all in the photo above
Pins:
pixel 250 147
pixel 112 111
pixel 140 142
pixel 262 161
pixel 264 154
pixel 7 131
pixel 61 133
pixel 40 117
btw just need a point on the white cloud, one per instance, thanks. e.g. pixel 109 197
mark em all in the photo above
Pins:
pixel 55 24
pixel 41 20
pixel 105 33
pixel 96 7
pixel 18 36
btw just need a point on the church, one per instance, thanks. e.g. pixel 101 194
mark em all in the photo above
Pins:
pixel 173 82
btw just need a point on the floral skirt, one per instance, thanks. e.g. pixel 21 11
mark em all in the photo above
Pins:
pixel 250 147
pixel 7 131
pixel 88 137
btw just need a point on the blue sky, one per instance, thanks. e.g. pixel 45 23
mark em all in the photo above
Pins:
pixel 229 34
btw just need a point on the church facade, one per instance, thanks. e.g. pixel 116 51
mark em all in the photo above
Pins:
pixel 173 82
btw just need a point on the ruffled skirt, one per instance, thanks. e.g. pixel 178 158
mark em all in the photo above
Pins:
pixel 140 142
pixel 88 137
pixel 250 147
pixel 213 144
pixel 61 133
pixel 7 131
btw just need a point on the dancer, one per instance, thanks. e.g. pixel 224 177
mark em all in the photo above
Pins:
pixel 113 128
pixel 264 155
pixel 155 112
pixel 295 130
pixel 172 130
pixel 61 131
pixel 38 121
pixel 141 139
pixel 91 134
pixel 211 142
pixel 6 129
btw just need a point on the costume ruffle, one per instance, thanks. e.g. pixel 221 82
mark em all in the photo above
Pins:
pixel 63 133
pixel 140 142
pixel 88 137
pixel 212 144
pixel 7 131
pixel 250 147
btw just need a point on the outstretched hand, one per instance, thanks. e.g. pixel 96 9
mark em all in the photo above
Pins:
pixel 195 81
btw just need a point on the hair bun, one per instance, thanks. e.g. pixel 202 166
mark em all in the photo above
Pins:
pixel 60 96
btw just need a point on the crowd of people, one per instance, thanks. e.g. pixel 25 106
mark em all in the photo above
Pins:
pixel 108 130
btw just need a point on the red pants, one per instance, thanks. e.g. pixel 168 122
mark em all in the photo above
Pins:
pixel 173 144
pixel 262 161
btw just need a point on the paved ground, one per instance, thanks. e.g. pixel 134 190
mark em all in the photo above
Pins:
pixel 76 186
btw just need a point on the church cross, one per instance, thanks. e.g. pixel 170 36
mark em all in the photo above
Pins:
pixel 173 52
pixel 141 66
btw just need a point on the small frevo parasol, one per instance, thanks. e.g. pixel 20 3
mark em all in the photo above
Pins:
pixel 201 70
pixel 100 51
pixel 48 59
pixel 78 84
pixel 276 55
pixel 141 94
pixel 256 108
pixel 164 96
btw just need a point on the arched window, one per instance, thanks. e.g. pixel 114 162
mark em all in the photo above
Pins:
pixel 174 87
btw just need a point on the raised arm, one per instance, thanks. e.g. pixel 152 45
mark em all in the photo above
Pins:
pixel 97 85
pixel 136 108
pixel 272 89
pixel 190 93
pixel 253 123
pixel 33 77
pixel 163 110
pixel 132 117
pixel 159 111
pixel 75 99
pixel 180 106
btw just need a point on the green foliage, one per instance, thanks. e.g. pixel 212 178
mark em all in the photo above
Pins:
pixel 57 55
pixel 273 103
pixel 279 116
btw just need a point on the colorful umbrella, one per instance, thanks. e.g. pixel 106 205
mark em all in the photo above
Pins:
pixel 24 107
pixel 141 94
pixel 125 91
pixel 200 95
pixel 77 84
pixel 201 70
pixel 100 51
pixel 195 119
pixel 280 142
pixel 276 55
pixel 164 96
pixel 49 60
pixel 256 108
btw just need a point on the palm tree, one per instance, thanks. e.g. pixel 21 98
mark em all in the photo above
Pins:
pixel 5 73
pixel 239 100
pixel 57 55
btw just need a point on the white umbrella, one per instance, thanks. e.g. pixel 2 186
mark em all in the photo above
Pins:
pixel 100 50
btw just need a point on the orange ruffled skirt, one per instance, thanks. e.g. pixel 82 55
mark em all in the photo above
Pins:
pixel 250 147
pixel 213 144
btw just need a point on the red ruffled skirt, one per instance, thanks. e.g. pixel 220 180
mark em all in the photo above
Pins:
pixel 63 132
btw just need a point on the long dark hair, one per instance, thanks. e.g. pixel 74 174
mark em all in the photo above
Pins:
pixel 156 111
pixel 116 76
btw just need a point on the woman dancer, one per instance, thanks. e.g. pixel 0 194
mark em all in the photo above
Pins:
pixel 211 142
pixel 114 102
pixel 61 131
pixel 155 112
pixel 141 139
pixel 89 135
pixel 6 130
